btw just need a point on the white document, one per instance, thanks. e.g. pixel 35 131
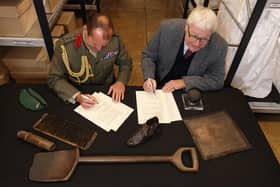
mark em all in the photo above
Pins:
pixel 106 114
pixel 161 104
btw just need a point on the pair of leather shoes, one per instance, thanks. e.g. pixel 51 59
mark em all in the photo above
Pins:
pixel 144 132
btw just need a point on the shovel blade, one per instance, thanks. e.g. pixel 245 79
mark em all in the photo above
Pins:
pixel 54 166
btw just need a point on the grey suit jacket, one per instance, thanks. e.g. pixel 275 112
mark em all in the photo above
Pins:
pixel 206 71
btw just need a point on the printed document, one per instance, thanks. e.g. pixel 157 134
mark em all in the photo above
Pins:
pixel 106 114
pixel 160 104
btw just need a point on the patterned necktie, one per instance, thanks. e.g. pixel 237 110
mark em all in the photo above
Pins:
pixel 187 54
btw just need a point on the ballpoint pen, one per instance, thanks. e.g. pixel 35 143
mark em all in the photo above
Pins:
pixel 151 85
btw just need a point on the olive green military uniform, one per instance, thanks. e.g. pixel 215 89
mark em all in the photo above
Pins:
pixel 74 62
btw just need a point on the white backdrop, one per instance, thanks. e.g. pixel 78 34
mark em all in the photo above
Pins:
pixel 260 66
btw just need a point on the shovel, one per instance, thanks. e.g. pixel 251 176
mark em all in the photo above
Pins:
pixel 59 165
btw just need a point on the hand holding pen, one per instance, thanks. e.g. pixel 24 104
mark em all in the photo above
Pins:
pixel 86 100
pixel 150 85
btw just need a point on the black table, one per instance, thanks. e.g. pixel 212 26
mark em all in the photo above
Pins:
pixel 255 167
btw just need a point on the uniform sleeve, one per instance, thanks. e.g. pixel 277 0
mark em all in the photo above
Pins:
pixel 57 77
pixel 125 64
pixel 150 56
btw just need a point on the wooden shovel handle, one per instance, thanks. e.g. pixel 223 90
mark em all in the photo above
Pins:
pixel 124 159
pixel 178 162
pixel 176 159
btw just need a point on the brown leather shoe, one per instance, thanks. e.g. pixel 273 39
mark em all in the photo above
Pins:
pixel 144 132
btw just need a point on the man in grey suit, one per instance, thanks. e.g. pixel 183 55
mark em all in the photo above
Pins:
pixel 185 54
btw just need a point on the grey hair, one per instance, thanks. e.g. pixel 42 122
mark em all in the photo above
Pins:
pixel 204 18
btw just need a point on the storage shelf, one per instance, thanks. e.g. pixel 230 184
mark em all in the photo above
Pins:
pixel 78 7
pixel 34 37
pixel 265 107
pixel 52 18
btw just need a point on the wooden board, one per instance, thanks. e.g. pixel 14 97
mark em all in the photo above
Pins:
pixel 271 130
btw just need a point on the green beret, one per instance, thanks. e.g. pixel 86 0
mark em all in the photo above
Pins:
pixel 31 100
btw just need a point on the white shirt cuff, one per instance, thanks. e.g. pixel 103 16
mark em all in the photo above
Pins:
pixel 73 98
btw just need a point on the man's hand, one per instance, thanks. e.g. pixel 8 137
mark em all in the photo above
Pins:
pixel 148 87
pixel 86 100
pixel 173 85
pixel 117 90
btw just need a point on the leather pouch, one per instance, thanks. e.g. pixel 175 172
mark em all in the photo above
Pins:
pixel 31 100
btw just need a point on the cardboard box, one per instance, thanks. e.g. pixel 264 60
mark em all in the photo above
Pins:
pixel 26 59
pixel 27 64
pixel 18 26
pixel 4 74
pixel 30 77
pixel 68 20
pixel 50 6
pixel 57 31
pixel 14 8
pixel 3 51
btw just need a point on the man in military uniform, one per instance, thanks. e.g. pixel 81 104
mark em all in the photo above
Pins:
pixel 88 56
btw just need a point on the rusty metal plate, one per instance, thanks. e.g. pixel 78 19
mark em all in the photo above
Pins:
pixel 216 135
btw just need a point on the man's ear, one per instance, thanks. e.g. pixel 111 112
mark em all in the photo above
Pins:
pixel 186 27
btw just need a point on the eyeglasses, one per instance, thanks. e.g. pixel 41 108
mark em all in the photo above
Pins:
pixel 197 38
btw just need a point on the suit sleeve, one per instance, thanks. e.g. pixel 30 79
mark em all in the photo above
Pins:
pixel 57 77
pixel 125 64
pixel 150 56
pixel 213 78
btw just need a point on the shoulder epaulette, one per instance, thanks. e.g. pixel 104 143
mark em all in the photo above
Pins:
pixel 68 38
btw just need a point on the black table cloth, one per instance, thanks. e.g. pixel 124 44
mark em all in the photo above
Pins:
pixel 254 167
